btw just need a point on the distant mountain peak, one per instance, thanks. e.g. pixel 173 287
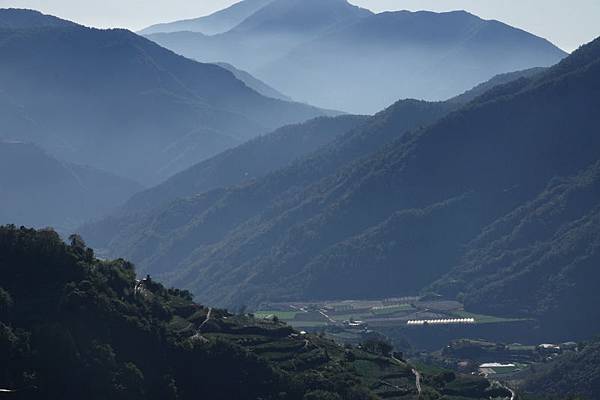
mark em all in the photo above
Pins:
pixel 298 46
pixel 301 15
pixel 218 22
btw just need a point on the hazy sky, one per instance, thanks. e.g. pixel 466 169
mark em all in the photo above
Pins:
pixel 567 23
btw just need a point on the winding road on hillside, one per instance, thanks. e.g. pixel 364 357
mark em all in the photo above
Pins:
pixel 208 315
pixel 417 381
pixel 417 375
pixel 513 394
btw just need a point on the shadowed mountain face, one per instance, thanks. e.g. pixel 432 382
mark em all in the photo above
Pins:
pixel 300 46
pixel 571 375
pixel 395 220
pixel 38 190
pixel 248 201
pixel 116 101
pixel 247 162
pixel 213 24
pixel 539 260
pixel 497 80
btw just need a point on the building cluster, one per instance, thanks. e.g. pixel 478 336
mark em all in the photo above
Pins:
pixel 354 324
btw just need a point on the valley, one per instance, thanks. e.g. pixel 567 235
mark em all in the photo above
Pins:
pixel 299 200
pixel 416 323
pixel 261 356
pixel 361 315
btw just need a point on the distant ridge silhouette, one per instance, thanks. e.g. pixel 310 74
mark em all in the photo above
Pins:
pixel 121 103
pixel 299 46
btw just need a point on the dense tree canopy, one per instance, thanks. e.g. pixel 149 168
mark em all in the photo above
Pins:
pixel 73 327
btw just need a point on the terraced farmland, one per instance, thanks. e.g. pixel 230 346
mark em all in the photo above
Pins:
pixel 317 357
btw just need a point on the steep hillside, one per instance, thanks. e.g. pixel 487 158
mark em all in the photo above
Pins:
pixel 572 375
pixel 119 102
pixel 400 218
pixel 247 162
pixel 38 190
pixel 218 22
pixel 271 152
pixel 123 233
pixel 500 79
pixel 540 260
pixel 73 326
pixel 396 220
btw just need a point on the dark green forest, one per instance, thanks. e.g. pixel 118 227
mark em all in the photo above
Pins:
pixel 73 326
pixel 571 376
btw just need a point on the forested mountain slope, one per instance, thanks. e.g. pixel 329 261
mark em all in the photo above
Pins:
pixel 274 151
pixel 396 220
pixel 500 79
pixel 572 375
pixel 73 326
pixel 38 190
pixel 248 161
pixel 539 260
pixel 119 233
pixel 117 101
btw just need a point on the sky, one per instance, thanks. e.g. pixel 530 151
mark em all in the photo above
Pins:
pixel 566 23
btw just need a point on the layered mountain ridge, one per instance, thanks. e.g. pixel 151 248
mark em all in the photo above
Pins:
pixel 116 101
pixel 218 22
pixel 298 46
pixel 39 190
pixel 394 220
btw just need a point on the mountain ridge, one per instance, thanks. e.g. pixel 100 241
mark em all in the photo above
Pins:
pixel 24 18
pixel 443 184
pixel 152 112
pixel 42 191
pixel 386 56
pixel 215 23
pixel 446 43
